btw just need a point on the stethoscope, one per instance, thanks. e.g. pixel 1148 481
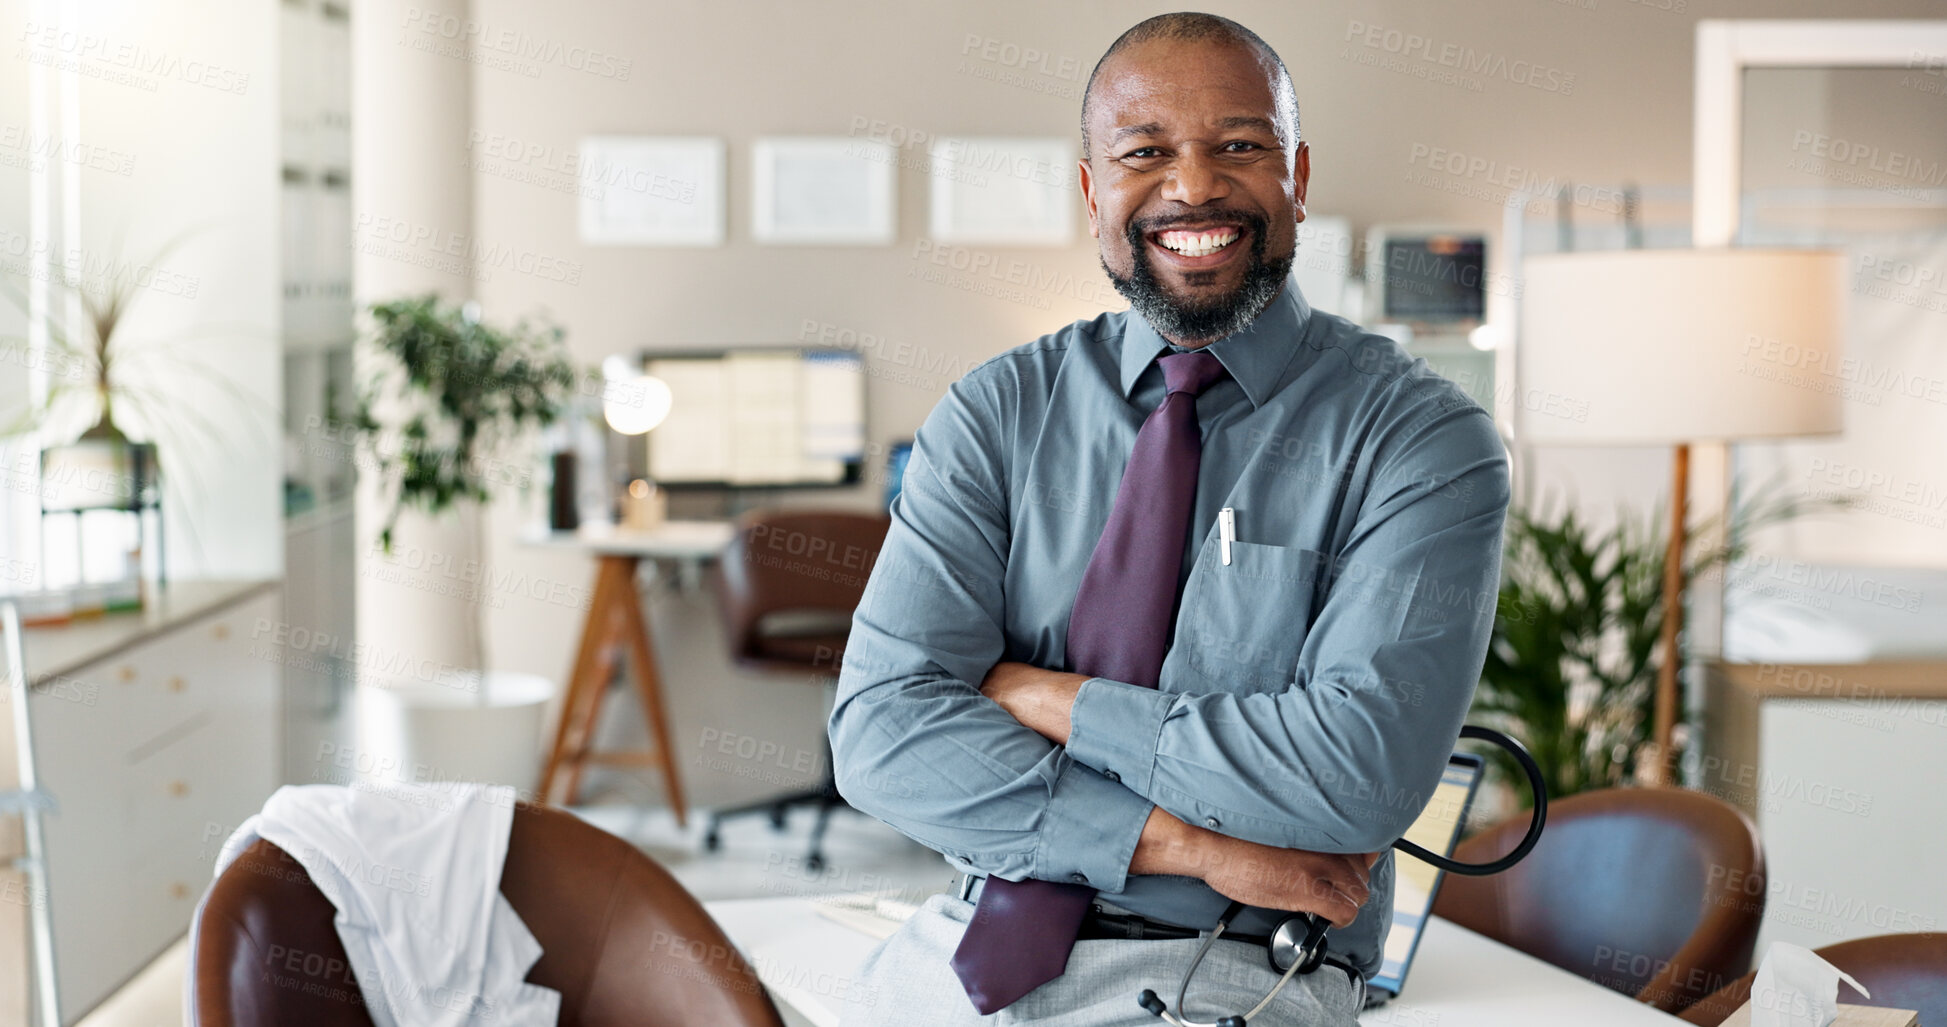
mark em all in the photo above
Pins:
pixel 1297 944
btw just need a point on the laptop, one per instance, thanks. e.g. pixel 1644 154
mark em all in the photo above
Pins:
pixel 1416 883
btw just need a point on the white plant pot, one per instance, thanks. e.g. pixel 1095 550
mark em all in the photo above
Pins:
pixel 428 733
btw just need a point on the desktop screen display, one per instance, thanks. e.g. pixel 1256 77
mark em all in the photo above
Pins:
pixel 1436 830
pixel 1436 279
pixel 760 417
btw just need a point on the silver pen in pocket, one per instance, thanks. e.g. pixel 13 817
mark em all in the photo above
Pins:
pixel 1226 532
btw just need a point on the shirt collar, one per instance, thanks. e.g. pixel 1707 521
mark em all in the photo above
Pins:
pixel 1256 356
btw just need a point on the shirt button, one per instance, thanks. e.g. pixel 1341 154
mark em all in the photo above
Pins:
pixel 1112 775
pixel 1078 878
pixel 1212 823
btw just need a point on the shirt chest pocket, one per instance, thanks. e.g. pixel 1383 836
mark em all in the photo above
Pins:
pixel 1242 624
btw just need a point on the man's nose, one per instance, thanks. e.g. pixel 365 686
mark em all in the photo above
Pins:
pixel 1195 180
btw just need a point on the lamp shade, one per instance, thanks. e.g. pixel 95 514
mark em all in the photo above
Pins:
pixel 1667 346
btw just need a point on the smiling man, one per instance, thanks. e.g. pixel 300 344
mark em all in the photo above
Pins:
pixel 1181 608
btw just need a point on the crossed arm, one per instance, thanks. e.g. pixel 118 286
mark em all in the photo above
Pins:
pixel 1333 886
pixel 1000 765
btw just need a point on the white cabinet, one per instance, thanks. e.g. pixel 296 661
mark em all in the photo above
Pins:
pixel 155 754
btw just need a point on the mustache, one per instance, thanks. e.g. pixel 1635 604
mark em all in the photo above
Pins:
pixel 1139 227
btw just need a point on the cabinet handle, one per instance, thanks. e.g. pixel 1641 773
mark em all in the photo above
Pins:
pixel 178 890
pixel 127 673
pixel 179 788
pixel 220 632
pixel 177 684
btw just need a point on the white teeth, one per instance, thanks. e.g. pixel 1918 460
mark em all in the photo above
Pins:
pixel 1198 244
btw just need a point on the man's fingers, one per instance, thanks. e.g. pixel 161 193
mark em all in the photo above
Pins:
pixel 1372 857
pixel 1342 909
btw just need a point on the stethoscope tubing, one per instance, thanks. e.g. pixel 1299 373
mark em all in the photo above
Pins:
pixel 1309 958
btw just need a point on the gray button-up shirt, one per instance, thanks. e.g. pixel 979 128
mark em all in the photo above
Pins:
pixel 1314 685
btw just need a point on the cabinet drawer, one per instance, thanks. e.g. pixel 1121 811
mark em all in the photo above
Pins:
pixel 184 800
pixel 181 676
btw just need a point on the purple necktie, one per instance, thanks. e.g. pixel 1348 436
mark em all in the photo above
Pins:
pixel 1021 931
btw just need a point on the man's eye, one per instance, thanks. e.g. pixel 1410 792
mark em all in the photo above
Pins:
pixel 1241 146
pixel 1143 152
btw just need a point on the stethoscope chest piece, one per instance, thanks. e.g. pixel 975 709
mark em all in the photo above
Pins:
pixel 1298 940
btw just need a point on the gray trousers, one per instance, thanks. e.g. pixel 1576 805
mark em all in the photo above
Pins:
pixel 907 981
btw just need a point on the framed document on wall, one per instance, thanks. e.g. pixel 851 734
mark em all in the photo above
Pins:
pixel 1003 191
pixel 652 191
pixel 833 191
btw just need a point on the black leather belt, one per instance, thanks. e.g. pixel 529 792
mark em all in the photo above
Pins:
pixel 1102 925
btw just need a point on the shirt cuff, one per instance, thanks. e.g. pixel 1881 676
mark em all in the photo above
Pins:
pixel 1113 726
pixel 1089 830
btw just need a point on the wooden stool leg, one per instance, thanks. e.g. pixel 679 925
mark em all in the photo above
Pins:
pixel 648 681
pixel 601 608
pixel 581 744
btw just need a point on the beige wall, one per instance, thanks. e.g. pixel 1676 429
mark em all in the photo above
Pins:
pixel 1614 105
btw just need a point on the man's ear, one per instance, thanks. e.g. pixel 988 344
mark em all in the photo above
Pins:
pixel 1301 176
pixel 1088 195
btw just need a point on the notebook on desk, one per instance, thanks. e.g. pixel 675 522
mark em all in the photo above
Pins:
pixel 1416 883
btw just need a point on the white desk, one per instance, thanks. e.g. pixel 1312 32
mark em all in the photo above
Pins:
pixel 1459 978
pixel 670 540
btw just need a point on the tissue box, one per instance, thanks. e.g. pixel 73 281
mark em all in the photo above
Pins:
pixel 1849 1016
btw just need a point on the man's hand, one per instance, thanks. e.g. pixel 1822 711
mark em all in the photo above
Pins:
pixel 1333 886
pixel 1039 699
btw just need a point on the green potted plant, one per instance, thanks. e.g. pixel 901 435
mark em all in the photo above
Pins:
pixel 1571 667
pixel 446 404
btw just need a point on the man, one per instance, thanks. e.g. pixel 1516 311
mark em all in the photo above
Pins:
pixel 1112 713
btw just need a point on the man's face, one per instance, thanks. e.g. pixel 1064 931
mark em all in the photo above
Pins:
pixel 1194 192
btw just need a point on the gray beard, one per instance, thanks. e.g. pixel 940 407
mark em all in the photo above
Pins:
pixel 1194 321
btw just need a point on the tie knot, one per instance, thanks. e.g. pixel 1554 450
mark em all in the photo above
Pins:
pixel 1190 372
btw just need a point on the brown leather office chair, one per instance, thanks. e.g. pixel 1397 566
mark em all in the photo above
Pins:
pixel 788 585
pixel 1653 892
pixel 1903 971
pixel 620 939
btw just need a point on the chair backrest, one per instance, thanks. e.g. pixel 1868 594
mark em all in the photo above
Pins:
pixel 1903 971
pixel 621 940
pixel 790 581
pixel 1653 892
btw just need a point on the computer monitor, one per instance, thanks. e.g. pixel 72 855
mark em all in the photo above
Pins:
pixel 1432 279
pixel 1416 883
pixel 759 417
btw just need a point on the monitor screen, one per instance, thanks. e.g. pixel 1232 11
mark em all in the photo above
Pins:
pixel 1436 278
pixel 1415 884
pixel 760 417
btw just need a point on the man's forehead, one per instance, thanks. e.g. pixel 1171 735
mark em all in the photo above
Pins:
pixel 1167 81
